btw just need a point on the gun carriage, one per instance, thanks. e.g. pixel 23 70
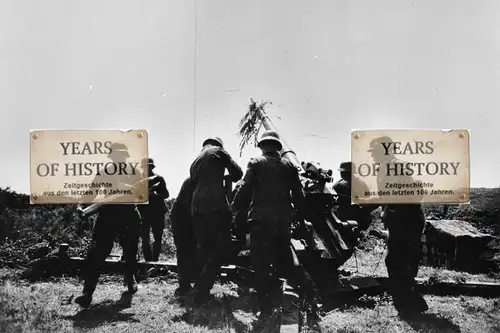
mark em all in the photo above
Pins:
pixel 329 242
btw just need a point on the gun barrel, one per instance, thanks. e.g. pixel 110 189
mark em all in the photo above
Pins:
pixel 90 209
pixel 286 151
pixel 94 207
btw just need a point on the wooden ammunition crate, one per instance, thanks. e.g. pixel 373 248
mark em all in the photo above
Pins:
pixel 453 244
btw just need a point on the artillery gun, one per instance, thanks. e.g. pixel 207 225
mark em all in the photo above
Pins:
pixel 330 242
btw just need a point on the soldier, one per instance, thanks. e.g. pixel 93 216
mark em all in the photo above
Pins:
pixel 210 211
pixel 343 187
pixel 153 214
pixel 405 223
pixel 114 219
pixel 240 222
pixel 270 186
pixel 184 238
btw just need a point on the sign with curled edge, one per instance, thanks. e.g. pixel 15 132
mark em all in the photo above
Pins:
pixel 88 166
pixel 410 166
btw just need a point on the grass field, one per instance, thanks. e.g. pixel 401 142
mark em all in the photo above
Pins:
pixel 47 306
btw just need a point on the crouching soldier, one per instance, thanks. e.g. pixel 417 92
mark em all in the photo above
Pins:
pixel 270 186
pixel 184 238
pixel 346 210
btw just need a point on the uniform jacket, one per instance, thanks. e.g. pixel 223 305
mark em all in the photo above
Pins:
pixel 270 186
pixel 400 217
pixel 343 189
pixel 181 210
pixel 207 174
pixel 158 193
pixel 121 182
pixel 346 209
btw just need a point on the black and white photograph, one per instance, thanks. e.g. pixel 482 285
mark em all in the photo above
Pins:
pixel 250 166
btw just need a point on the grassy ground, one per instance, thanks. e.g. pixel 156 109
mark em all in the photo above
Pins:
pixel 370 262
pixel 49 307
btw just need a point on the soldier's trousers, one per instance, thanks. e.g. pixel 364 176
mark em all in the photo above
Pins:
pixel 125 223
pixel 213 238
pixel 271 257
pixel 155 222
pixel 185 244
pixel 403 259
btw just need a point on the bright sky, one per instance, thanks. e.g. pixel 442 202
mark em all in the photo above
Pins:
pixel 328 66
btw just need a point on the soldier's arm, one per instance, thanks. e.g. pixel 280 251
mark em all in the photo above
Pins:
pixel 180 204
pixel 233 167
pixel 244 193
pixel 298 198
pixel 96 180
pixel 160 188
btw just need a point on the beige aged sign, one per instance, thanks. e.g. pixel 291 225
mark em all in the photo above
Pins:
pixel 88 166
pixel 410 166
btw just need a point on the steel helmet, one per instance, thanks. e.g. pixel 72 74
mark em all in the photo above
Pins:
pixel 270 135
pixel 213 140
pixel 376 143
pixel 345 166
pixel 149 161
pixel 118 149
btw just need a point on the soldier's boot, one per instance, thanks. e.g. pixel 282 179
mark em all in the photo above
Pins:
pixel 201 297
pixel 183 289
pixel 418 302
pixel 131 283
pixel 85 299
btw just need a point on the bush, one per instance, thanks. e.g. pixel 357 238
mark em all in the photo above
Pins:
pixel 30 231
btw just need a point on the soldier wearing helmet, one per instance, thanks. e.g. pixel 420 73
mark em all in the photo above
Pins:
pixel 346 210
pixel 114 220
pixel 269 189
pixel 153 214
pixel 210 211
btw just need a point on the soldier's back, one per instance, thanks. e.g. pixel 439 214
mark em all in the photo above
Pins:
pixel 207 174
pixel 273 178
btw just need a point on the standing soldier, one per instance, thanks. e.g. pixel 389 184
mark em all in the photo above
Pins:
pixel 210 211
pixel 114 219
pixel 347 210
pixel 153 214
pixel 184 239
pixel 270 186
pixel 406 223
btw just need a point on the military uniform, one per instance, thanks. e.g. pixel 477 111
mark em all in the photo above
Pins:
pixel 270 186
pixel 184 238
pixel 346 210
pixel 113 220
pixel 153 214
pixel 210 211
pixel 405 223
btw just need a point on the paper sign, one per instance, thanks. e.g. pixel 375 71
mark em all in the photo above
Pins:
pixel 89 166
pixel 410 166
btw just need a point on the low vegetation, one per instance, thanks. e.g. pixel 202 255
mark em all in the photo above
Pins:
pixel 31 232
